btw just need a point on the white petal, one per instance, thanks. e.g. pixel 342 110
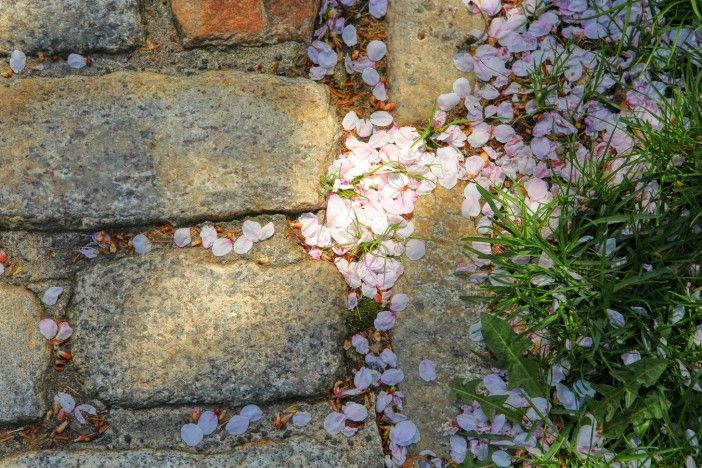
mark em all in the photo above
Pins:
pixel 252 412
pixel 208 422
pixel 301 419
pixel 18 60
pixel 48 328
pixel 208 235
pixel 77 61
pixel 222 247
pixel 427 370
pixel 182 237
pixel 252 230
pixel 191 434
pixel 51 295
pixel 141 244
pixel 242 245
pixel 381 119
pixel 237 425
pixel 267 231
pixel 415 249
pixel 67 402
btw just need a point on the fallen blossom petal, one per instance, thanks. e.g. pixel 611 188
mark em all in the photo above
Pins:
pixel 349 431
pixel 427 370
pixel 252 230
pixel 399 302
pixel 18 60
pixel 242 245
pixel 615 318
pixel 415 249
pixel 252 412
pixel 48 328
pixel 88 252
pixel 382 401
pixel 630 357
pixel 208 235
pixel 385 320
pixel 267 231
pixel 363 378
pixel 381 119
pixel 501 459
pixel 404 433
pixel 350 121
pixel 388 358
pixel 237 425
pixel 378 8
pixel 459 448
pixel 380 92
pixel 355 412
pixel 66 401
pixel 51 295
pixel 208 422
pixel 334 422
pixel 77 61
pixel 360 343
pixel 181 237
pixel 142 244
pixel 84 408
pixel 191 434
pixel 301 418
pixel 392 377
pixel 349 35
pixel 64 331
pixel 370 76
pixel 222 247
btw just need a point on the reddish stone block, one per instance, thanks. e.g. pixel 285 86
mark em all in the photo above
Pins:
pixel 244 22
pixel 232 21
pixel 292 20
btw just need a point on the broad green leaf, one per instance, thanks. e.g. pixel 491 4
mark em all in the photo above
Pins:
pixel 502 341
pixel 468 392
pixel 645 372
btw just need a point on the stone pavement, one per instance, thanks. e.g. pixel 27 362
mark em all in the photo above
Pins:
pixel 174 122
pixel 423 37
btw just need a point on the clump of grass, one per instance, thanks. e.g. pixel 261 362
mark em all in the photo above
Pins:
pixel 625 239
pixel 361 318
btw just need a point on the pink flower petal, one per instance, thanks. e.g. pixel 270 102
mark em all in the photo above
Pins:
pixel 427 370
pixel 142 244
pixel 48 328
pixel 389 358
pixel 415 249
pixel 385 320
pixel 370 76
pixel 376 50
pixel 252 412
pixel 378 8
pixel 363 378
pixel 392 377
pixel 51 295
pixel 399 302
pixel 208 234
pixel 334 422
pixel 222 247
pixel 64 331
pixel 208 422
pixel 252 230
pixel 237 425
pixel 381 119
pixel 267 231
pixel 67 402
pixel 84 408
pixel 191 434
pixel 301 418
pixel 242 245
pixel 360 344
pixel 404 433
pixel 355 412
pixel 182 237
pixel 349 35
pixel 350 121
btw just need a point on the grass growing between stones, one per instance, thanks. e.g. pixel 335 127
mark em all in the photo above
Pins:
pixel 596 301
pixel 602 288
pixel 361 318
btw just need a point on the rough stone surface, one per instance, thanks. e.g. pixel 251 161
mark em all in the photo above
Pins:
pixel 25 356
pixel 69 25
pixel 159 428
pixel 171 328
pixel 250 22
pixel 138 148
pixel 423 36
pixel 42 256
pixel 435 324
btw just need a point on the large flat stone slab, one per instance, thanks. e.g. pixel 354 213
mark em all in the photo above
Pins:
pixel 69 25
pixel 436 321
pixel 172 328
pixel 25 356
pixel 138 148
pixel 247 22
pixel 423 36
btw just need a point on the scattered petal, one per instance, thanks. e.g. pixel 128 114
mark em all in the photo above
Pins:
pixel 77 61
pixel 141 244
pixel 252 412
pixel 51 295
pixel 182 237
pixel 427 370
pixel 222 247
pixel 191 434
pixel 334 422
pixel 415 249
pixel 48 328
pixel 237 425
pixel 301 418
pixel 355 412
pixel 66 401
pixel 208 422
pixel 84 408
